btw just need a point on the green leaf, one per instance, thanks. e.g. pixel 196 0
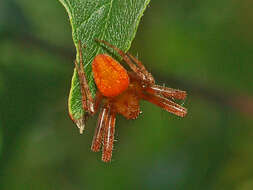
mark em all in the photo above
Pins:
pixel 114 21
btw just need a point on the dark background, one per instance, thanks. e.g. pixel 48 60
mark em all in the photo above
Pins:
pixel 204 47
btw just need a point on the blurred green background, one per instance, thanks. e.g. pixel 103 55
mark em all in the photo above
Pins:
pixel 204 47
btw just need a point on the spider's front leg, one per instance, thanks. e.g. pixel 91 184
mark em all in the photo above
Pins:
pixel 89 104
pixel 99 131
pixel 87 100
pixel 160 95
pixel 109 137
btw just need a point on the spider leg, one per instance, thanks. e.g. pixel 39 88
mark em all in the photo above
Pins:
pixel 165 104
pixel 102 122
pixel 109 137
pixel 88 103
pixel 139 63
pixel 166 92
pixel 150 79
pixel 136 69
pixel 87 100
pixel 82 80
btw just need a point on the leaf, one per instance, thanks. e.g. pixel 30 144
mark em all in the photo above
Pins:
pixel 114 21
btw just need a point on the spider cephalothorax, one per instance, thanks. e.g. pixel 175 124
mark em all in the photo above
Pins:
pixel 119 92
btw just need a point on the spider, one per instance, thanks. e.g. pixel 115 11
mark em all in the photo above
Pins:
pixel 119 92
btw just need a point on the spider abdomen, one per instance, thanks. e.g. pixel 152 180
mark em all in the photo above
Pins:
pixel 110 77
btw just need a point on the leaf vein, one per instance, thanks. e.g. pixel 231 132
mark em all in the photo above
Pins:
pixel 107 18
pixel 98 9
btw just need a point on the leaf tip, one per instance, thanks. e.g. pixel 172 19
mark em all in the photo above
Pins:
pixel 80 124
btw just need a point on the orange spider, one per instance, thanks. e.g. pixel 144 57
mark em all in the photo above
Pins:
pixel 119 92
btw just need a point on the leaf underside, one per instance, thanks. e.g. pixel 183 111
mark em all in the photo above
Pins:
pixel 114 21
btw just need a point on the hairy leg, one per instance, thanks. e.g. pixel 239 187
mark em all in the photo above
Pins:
pixel 87 100
pixel 166 92
pixel 98 136
pixel 90 106
pixel 109 137
pixel 149 78
pixel 83 81
pixel 165 104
